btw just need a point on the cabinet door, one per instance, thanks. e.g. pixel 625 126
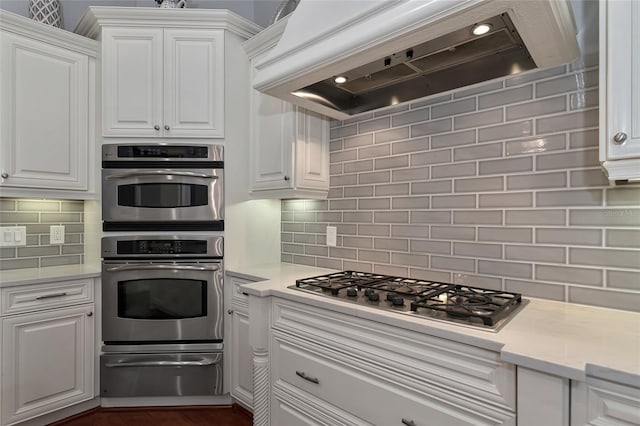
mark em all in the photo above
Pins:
pixel 194 83
pixel 242 360
pixel 47 361
pixel 312 150
pixel 132 70
pixel 44 115
pixel 273 136
pixel 622 78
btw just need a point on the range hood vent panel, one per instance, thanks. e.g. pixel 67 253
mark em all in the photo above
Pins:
pixel 397 51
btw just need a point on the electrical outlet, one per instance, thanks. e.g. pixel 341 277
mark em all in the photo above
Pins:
pixel 56 234
pixel 331 236
pixel 13 236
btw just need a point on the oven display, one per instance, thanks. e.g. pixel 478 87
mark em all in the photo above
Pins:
pixel 164 151
pixel 162 247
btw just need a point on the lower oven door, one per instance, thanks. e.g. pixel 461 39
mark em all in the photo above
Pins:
pixel 162 302
pixel 166 374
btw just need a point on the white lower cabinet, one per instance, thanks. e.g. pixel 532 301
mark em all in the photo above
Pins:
pixel 604 403
pixel 344 370
pixel 47 357
pixel 240 362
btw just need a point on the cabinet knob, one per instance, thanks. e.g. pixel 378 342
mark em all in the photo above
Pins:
pixel 166 127
pixel 156 127
pixel 4 175
pixel 286 178
pixel 408 422
pixel 89 314
pixel 620 138
pixel 230 311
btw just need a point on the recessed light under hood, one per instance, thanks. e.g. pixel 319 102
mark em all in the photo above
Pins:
pixel 397 51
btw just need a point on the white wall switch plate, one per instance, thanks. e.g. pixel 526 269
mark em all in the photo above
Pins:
pixel 56 234
pixel 331 236
pixel 13 236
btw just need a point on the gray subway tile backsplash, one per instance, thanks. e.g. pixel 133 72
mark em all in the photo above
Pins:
pixel 535 108
pixel 477 119
pixel 409 117
pixel 496 185
pixel 535 145
pixel 453 108
pixel 623 279
pixel 535 289
pixel 505 131
pixel 37 216
pixel 568 274
pixel 504 97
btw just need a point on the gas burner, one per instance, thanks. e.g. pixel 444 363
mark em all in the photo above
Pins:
pixel 333 283
pixel 473 303
pixel 472 306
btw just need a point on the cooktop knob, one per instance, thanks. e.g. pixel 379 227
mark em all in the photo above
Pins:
pixel 397 301
pixel 373 296
pixel 368 291
pixel 352 292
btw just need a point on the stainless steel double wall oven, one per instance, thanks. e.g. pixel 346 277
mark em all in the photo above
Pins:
pixel 162 291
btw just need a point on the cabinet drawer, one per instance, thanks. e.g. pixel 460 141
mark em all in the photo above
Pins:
pixel 45 296
pixel 237 295
pixel 292 406
pixel 453 370
pixel 601 402
pixel 343 381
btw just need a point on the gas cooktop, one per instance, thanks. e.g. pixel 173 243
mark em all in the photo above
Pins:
pixel 462 304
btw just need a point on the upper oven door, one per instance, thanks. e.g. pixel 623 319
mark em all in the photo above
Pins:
pixel 155 195
pixel 159 302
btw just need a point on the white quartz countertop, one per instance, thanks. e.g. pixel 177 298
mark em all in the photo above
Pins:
pixel 564 339
pixel 42 275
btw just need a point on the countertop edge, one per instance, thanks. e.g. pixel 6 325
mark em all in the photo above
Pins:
pixel 19 277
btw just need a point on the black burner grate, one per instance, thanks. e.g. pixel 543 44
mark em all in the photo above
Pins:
pixel 335 282
pixel 451 302
pixel 461 301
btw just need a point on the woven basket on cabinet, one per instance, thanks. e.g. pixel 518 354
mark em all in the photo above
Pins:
pixel 46 11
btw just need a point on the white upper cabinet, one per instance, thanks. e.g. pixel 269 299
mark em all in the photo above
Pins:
pixel 163 70
pixel 163 82
pixel 46 103
pixel 620 89
pixel 289 144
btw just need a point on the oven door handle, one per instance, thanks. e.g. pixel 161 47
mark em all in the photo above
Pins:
pixel 200 363
pixel 166 267
pixel 159 173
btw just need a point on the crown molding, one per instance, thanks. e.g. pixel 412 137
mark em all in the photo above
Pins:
pixel 265 39
pixel 26 27
pixel 97 17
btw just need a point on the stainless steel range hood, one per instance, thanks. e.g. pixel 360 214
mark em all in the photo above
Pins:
pixel 393 51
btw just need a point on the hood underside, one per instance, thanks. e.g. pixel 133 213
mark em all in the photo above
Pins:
pixel 390 52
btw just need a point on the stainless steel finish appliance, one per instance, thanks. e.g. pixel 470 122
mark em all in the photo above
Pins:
pixel 162 315
pixel 162 187
pixel 152 292
pixel 454 60
pixel 161 374
pixel 462 304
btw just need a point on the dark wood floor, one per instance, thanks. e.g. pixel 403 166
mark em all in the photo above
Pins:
pixel 161 416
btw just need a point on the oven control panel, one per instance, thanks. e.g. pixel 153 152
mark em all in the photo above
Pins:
pixel 162 246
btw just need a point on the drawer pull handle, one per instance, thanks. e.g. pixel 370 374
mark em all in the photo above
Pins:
pixel 51 296
pixel 408 422
pixel 246 294
pixel 307 378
